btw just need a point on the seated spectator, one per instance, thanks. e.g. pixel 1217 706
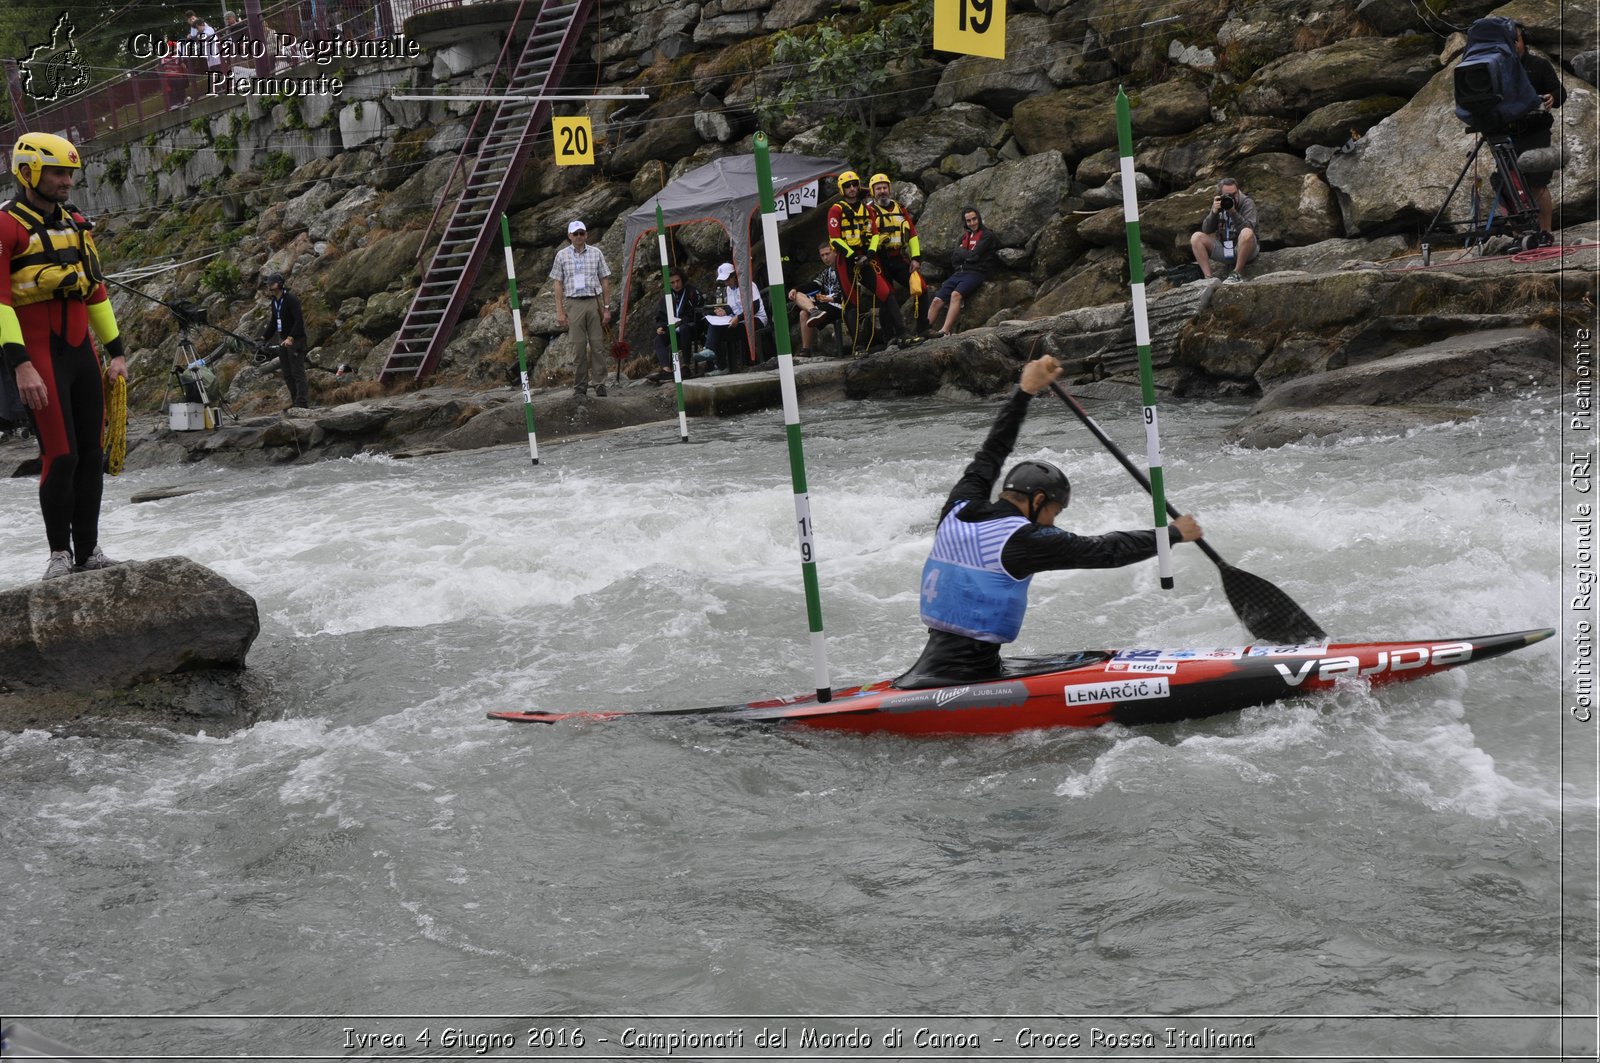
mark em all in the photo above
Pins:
pixel 730 315
pixel 687 304
pixel 1227 232
pixel 821 303
pixel 974 259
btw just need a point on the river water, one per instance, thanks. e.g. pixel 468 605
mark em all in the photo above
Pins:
pixel 1346 876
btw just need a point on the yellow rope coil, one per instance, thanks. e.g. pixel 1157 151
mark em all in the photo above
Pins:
pixel 116 424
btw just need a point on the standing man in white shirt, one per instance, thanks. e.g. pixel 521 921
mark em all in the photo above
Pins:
pixel 583 297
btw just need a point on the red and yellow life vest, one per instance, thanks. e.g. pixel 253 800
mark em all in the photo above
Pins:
pixel 59 260
pixel 893 231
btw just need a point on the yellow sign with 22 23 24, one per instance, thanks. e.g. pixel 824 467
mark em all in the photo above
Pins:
pixel 574 141
pixel 971 27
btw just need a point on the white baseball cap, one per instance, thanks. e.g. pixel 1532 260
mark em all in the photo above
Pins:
pixel 724 271
pixel 576 227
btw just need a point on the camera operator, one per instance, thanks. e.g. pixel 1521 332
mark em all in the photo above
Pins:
pixel 287 326
pixel 1228 232
pixel 1547 83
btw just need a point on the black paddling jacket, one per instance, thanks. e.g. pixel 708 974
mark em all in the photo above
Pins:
pixel 1032 548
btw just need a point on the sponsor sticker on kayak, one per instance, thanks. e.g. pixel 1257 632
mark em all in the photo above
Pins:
pixel 1309 649
pixel 1220 653
pixel 1144 667
pixel 1141 688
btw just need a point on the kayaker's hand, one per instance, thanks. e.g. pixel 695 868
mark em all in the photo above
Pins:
pixel 1188 527
pixel 1039 374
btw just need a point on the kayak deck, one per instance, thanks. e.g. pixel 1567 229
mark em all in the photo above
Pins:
pixel 1093 687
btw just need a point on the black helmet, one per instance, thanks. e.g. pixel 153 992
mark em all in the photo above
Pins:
pixel 269 279
pixel 1030 477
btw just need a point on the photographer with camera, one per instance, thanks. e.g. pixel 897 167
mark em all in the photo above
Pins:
pixel 1227 232
pixel 287 326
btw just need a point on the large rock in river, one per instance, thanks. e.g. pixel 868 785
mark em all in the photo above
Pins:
pixel 118 627
pixel 1449 370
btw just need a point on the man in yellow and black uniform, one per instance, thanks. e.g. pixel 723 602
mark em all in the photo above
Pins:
pixel 860 277
pixel 894 241
pixel 56 294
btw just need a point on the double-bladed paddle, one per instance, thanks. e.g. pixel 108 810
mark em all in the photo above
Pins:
pixel 1266 612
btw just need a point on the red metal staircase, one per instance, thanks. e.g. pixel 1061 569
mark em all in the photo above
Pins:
pixel 501 157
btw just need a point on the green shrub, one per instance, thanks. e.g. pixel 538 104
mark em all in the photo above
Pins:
pixel 221 276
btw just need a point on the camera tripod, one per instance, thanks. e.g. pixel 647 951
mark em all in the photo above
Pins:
pixel 1513 212
pixel 194 384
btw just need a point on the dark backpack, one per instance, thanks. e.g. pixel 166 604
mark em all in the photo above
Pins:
pixel 1493 93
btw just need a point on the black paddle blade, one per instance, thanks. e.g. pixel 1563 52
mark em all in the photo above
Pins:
pixel 1267 612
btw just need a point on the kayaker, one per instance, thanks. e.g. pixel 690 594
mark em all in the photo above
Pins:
pixel 985 554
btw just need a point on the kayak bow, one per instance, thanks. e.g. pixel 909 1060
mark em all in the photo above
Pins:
pixel 1094 687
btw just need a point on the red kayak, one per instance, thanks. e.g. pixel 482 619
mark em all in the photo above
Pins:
pixel 1094 687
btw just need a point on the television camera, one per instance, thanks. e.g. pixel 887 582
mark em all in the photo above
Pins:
pixel 1496 101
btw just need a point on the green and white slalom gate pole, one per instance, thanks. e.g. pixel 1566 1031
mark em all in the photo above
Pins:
pixel 672 323
pixel 776 304
pixel 1141 336
pixel 522 347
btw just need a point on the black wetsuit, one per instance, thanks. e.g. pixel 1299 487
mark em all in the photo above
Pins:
pixel 951 658
pixel 55 339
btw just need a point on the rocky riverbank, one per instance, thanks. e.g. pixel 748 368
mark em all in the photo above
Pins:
pixel 1338 122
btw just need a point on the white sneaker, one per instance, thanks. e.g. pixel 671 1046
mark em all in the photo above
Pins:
pixel 1234 278
pixel 60 564
pixel 97 560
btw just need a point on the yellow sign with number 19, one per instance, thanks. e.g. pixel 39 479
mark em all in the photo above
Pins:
pixel 971 27
pixel 574 141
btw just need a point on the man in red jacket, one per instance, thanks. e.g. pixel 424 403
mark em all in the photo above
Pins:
pixel 56 294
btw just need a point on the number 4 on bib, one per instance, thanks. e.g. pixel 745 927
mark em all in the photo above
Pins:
pixel 574 141
pixel 971 27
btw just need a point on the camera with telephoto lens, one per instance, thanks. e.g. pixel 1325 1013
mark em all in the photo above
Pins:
pixel 1227 202
pixel 188 314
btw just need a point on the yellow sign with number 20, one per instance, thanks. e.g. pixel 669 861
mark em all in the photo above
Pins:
pixel 574 141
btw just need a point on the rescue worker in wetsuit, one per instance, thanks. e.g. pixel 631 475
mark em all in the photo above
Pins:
pixel 860 277
pixel 54 296
pixel 894 243
pixel 985 554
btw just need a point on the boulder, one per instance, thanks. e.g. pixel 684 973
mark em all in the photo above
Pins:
pixel 978 362
pixel 664 131
pixel 919 143
pixel 122 626
pixel 1081 121
pixel 1352 69
pixel 1333 125
pixel 1282 427
pixel 1400 172
pixel 388 261
pixel 1001 84
pixel 1450 370
pixel 1330 256
pixel 597 206
pixel 1013 197
pixel 1562 28
pixel 1210 152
